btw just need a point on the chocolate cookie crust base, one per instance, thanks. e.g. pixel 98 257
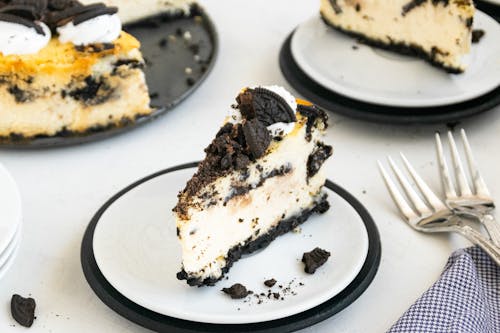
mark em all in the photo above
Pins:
pixel 398 47
pixel 283 227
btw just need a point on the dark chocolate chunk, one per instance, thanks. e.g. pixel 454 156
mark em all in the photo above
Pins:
pixel 257 137
pixel 23 310
pixel 265 105
pixel 314 259
pixel 237 291
pixel 270 283
pixel 320 154
pixel 477 35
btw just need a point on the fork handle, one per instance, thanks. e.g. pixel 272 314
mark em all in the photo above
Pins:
pixel 492 227
pixel 478 239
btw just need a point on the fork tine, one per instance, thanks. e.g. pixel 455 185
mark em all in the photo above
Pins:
pixel 429 195
pixel 463 184
pixel 407 212
pixel 479 184
pixel 449 188
pixel 418 203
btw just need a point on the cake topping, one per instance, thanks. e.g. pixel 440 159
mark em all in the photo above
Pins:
pixel 20 36
pixel 267 106
pixel 22 20
pixel 99 25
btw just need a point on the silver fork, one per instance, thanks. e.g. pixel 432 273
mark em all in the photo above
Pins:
pixel 475 202
pixel 432 215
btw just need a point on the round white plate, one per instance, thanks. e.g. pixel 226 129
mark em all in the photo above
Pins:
pixel 11 258
pixel 10 208
pixel 376 76
pixel 137 251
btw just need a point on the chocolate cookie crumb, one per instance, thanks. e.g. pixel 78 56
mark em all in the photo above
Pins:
pixel 477 35
pixel 23 310
pixel 237 291
pixel 314 259
pixel 270 283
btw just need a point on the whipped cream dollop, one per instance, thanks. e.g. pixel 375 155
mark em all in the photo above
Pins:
pixel 100 29
pixel 19 39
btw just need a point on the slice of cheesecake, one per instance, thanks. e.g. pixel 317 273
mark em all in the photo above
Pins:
pixel 262 176
pixel 438 31
pixel 69 68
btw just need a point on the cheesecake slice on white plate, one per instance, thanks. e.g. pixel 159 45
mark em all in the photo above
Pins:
pixel 439 31
pixel 262 176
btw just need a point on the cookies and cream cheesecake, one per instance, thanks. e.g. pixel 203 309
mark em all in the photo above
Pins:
pixel 67 67
pixel 262 176
pixel 439 31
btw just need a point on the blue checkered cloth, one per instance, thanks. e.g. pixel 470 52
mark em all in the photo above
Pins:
pixel 466 298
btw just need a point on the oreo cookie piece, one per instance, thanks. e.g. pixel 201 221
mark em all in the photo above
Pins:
pixel 39 6
pixel 237 291
pixel 256 136
pixel 265 105
pixel 88 15
pixel 315 259
pixel 23 310
pixel 62 4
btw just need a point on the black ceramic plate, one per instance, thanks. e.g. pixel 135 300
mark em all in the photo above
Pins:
pixel 489 8
pixel 160 323
pixel 170 44
pixel 337 103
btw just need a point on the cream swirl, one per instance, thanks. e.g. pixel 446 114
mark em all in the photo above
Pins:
pixel 19 39
pixel 100 29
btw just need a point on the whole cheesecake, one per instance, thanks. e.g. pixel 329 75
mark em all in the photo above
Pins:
pixel 66 67
pixel 439 31
pixel 262 176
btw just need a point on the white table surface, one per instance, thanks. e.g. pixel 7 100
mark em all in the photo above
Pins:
pixel 62 188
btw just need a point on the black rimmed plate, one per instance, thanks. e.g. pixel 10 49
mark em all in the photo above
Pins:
pixel 492 7
pixel 334 102
pixel 180 51
pixel 97 268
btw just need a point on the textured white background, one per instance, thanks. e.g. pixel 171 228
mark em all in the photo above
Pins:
pixel 63 188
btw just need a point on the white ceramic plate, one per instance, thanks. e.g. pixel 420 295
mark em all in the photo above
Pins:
pixel 10 208
pixel 9 261
pixel 137 251
pixel 376 76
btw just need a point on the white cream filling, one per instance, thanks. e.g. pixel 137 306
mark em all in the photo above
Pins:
pixel 100 29
pixel 19 39
pixel 211 232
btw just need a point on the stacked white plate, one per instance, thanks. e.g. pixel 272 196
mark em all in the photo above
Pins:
pixel 10 220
